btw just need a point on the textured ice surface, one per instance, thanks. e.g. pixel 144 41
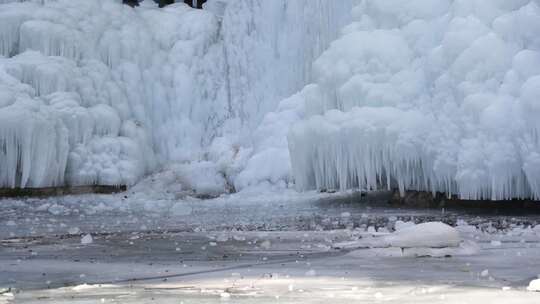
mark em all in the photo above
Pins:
pixel 427 95
pixel 95 92
pixel 228 244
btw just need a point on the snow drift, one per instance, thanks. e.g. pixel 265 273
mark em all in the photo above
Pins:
pixel 434 95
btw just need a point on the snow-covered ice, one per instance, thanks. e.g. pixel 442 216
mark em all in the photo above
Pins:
pixel 258 256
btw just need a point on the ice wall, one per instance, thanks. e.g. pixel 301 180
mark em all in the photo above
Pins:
pixel 99 91
pixel 123 92
pixel 434 95
pixel 270 48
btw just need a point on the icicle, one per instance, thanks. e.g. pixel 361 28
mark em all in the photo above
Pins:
pixel 450 106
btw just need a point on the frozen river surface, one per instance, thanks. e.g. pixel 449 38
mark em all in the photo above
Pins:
pixel 244 249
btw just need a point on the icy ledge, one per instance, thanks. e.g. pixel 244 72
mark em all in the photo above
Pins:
pixel 440 96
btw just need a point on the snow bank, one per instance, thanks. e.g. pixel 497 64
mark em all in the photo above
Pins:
pixel 427 95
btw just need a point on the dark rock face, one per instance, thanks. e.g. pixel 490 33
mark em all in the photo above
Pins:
pixel 423 199
pixel 60 191
pixel 195 3
pixel 131 3
pixel 163 3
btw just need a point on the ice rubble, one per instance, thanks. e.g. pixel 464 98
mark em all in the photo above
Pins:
pixel 436 95
pixel 94 92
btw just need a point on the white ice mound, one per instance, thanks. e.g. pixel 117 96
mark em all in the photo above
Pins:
pixel 438 96
pixel 429 235
pixel 433 239
pixel 534 285
pixel 425 235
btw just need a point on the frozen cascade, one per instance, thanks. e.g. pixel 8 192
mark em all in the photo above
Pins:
pixel 85 64
pixel 95 92
pixel 270 52
pixel 33 146
pixel 271 46
pixel 436 95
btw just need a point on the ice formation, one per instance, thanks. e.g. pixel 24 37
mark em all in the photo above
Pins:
pixel 431 239
pixel 270 46
pixel 436 95
pixel 83 79
pixel 424 235
pixel 96 92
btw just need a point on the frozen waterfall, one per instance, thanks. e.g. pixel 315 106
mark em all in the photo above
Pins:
pixel 96 92
pixel 432 95
pixel 435 95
